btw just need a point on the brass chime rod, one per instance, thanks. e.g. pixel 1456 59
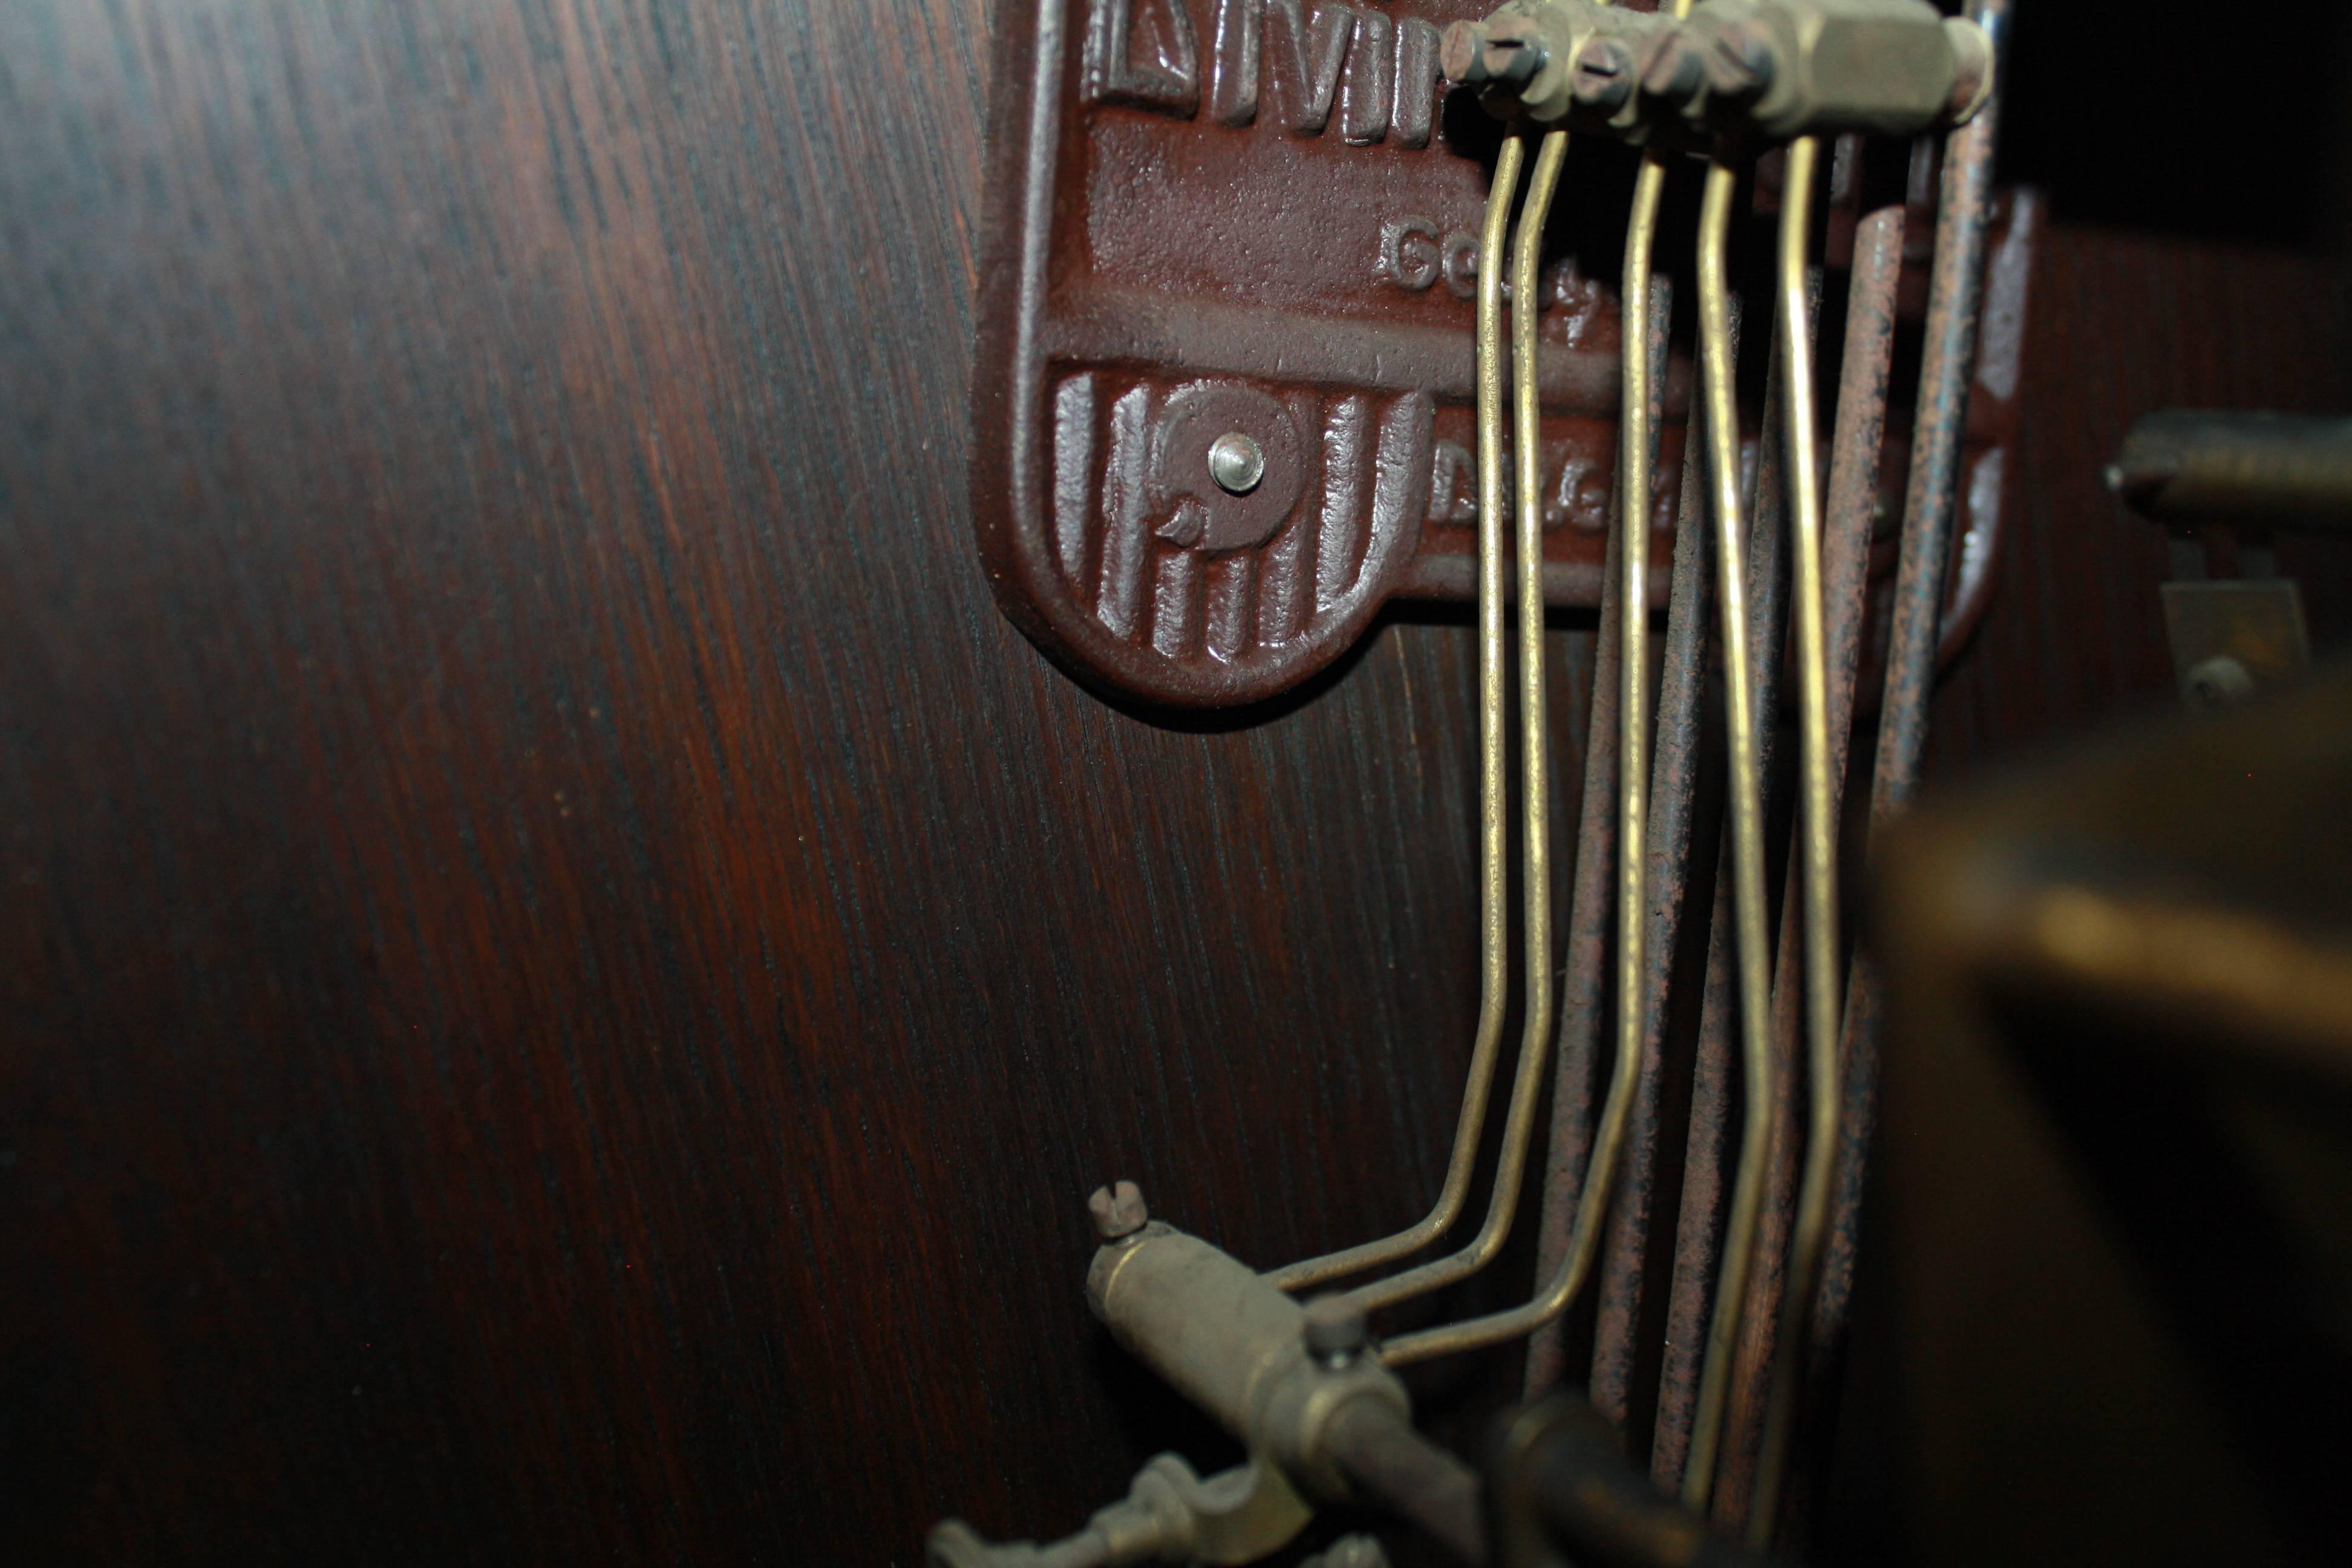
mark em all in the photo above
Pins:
pixel 1746 831
pixel 1633 510
pixel 1535 760
pixel 1817 824
pixel 1494 872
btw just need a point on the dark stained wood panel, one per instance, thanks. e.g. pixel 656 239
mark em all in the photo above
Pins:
pixel 2122 325
pixel 565 972
pixel 568 973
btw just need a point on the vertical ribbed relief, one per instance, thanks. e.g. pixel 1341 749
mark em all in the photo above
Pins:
pixel 1073 474
pixel 1127 546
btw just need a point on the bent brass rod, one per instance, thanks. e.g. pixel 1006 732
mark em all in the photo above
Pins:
pixel 1494 870
pixel 1818 830
pixel 1633 521
pixel 1584 953
pixel 1746 835
pixel 1535 761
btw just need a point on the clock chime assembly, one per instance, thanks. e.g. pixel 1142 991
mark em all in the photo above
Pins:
pixel 1228 406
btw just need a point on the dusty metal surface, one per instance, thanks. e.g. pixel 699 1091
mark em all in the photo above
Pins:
pixel 1258 218
pixel 2186 466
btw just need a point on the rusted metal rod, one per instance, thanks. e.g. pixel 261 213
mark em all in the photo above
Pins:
pixel 1955 291
pixel 1852 514
pixel 1955 303
pixel 1494 870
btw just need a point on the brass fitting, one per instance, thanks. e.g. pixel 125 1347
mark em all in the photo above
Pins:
pixel 1773 68
pixel 1236 1346
pixel 1550 60
pixel 1894 68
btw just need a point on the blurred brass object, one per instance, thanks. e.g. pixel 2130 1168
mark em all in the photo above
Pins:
pixel 2119 1155
pixel 2184 467
pixel 1170 1514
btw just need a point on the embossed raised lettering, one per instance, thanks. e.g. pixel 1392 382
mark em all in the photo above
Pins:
pixel 1453 485
pixel 1417 76
pixel 1126 546
pixel 1382 76
pixel 1574 500
pixel 1074 464
pixel 1408 253
pixel 1460 253
pixel 1369 87
pixel 1233 61
pixel 1580 296
pixel 1304 63
pixel 1346 437
pixel 1171 82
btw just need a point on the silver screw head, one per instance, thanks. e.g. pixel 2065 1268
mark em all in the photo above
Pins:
pixel 1118 1211
pixel 1236 462
pixel 1335 1330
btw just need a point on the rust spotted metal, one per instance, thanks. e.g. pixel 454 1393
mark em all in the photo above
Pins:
pixel 1254 223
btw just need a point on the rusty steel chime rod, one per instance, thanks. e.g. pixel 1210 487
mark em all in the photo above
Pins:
pixel 1494 870
pixel 1955 304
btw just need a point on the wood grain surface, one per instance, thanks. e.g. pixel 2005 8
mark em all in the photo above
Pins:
pixel 565 972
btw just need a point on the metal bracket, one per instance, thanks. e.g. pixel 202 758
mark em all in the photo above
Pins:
pixel 1259 218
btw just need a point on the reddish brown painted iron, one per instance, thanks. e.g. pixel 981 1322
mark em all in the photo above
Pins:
pixel 1253 215
pixel 1261 214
